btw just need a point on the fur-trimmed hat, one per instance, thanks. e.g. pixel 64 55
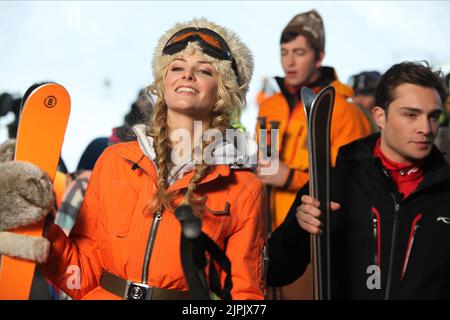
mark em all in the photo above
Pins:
pixel 240 52
pixel 310 25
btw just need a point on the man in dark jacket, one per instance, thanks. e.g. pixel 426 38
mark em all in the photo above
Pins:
pixel 390 229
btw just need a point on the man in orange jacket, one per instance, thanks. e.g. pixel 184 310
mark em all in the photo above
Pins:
pixel 302 47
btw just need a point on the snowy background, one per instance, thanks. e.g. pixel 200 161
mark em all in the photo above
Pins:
pixel 101 50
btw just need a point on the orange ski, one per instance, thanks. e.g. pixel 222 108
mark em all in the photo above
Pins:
pixel 40 136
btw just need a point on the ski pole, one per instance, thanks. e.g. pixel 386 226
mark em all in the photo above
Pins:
pixel 264 146
pixel 274 125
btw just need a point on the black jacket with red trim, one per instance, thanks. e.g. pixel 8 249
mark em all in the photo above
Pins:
pixel 409 239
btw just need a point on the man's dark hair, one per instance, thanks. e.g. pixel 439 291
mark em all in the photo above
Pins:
pixel 288 36
pixel 447 81
pixel 418 73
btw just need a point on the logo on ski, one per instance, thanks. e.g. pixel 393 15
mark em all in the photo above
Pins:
pixel 50 102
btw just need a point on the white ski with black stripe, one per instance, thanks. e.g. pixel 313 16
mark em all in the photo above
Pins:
pixel 319 109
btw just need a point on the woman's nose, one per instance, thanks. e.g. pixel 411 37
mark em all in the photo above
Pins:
pixel 188 74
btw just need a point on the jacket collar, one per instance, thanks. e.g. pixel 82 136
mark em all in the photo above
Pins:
pixel 328 77
pixel 436 168
pixel 141 155
pixel 139 161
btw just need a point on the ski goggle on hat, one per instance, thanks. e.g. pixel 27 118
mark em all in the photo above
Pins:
pixel 211 43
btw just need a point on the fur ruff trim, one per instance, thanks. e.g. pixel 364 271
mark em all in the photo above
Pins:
pixel 7 149
pixel 240 52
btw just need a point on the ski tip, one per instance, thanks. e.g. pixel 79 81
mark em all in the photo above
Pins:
pixel 34 87
pixel 307 96
pixel 328 89
pixel 29 91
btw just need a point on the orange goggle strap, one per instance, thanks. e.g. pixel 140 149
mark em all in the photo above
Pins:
pixel 211 43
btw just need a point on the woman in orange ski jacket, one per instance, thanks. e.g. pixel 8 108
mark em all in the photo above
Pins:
pixel 201 73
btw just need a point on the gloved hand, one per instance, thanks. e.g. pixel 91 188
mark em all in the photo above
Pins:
pixel 26 197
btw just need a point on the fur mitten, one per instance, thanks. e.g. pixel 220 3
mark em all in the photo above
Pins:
pixel 26 196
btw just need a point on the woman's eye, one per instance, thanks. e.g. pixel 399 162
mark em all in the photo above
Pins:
pixel 176 68
pixel 204 71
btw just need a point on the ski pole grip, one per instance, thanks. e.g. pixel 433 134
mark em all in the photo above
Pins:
pixel 262 122
pixel 274 124
pixel 191 225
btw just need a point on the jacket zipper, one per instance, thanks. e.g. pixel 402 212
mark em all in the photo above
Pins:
pixel 376 237
pixel 393 245
pixel 265 263
pixel 155 223
pixel 414 228
pixel 150 244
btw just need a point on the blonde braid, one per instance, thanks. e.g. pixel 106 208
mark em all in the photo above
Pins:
pixel 220 122
pixel 159 130
pixel 200 171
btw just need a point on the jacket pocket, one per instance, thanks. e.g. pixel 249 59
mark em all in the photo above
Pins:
pixel 119 200
pixel 215 216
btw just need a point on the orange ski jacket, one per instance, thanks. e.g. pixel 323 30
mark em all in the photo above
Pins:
pixel 348 123
pixel 112 228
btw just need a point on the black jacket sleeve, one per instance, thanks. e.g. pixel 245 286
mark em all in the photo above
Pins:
pixel 289 248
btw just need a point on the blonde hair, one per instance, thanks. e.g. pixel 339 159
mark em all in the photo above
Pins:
pixel 229 97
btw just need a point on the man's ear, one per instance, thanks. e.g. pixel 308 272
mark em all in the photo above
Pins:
pixel 320 59
pixel 379 116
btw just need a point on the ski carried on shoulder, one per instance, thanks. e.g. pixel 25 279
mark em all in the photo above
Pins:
pixel 42 125
pixel 319 109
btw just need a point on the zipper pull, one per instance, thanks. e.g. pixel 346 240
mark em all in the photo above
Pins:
pixel 265 256
pixel 375 238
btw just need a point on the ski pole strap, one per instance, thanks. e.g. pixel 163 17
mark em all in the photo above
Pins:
pixel 289 178
pixel 193 260
pixel 217 255
pixel 194 275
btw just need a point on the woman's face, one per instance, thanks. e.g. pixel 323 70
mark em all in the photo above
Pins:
pixel 190 86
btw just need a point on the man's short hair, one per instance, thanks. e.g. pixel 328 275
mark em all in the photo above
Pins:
pixel 447 81
pixel 418 73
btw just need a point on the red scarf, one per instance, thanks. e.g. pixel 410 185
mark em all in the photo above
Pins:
pixel 406 177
